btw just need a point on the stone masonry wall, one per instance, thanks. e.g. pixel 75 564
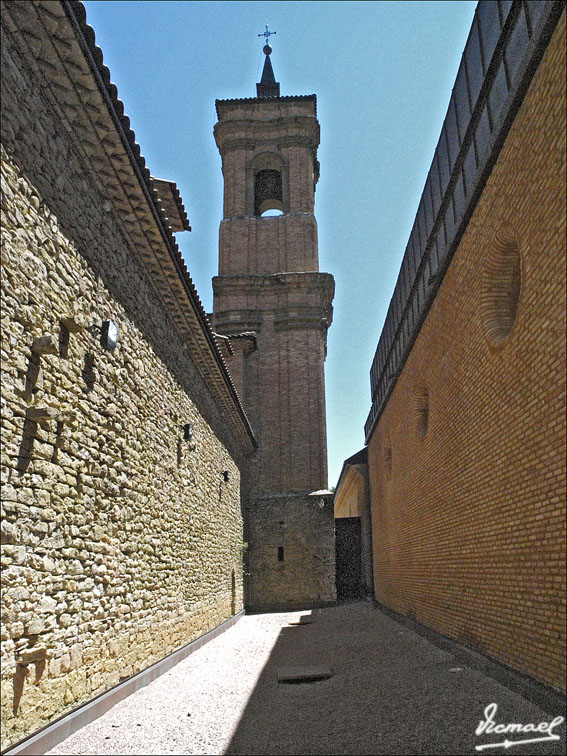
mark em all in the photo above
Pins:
pixel 121 542
pixel 291 550
pixel 467 461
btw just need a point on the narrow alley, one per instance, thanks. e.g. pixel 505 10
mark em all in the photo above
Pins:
pixel 391 691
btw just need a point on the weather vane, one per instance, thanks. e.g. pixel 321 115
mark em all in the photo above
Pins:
pixel 266 34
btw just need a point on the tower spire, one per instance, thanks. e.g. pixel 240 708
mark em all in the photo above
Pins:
pixel 268 86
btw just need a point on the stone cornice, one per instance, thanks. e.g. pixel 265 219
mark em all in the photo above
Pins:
pixel 234 321
pixel 307 318
pixel 245 143
pixel 296 280
pixel 273 296
pixel 59 47
pixel 224 105
pixel 272 293
pixel 251 134
pixel 256 219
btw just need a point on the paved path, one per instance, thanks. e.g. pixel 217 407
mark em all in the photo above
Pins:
pixel 392 692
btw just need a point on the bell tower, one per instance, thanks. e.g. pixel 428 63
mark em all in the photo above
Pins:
pixel 274 306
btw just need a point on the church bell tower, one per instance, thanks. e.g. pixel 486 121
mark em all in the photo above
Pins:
pixel 274 307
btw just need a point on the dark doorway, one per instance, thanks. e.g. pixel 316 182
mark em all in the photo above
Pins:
pixel 348 558
pixel 233 593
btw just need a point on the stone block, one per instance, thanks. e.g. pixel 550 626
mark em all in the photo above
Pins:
pixel 42 414
pixel 35 626
pixel 44 345
pixel 31 655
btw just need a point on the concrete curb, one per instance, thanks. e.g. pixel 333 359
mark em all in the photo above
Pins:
pixel 51 735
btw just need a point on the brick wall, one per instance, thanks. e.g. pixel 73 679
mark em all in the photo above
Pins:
pixel 119 539
pixel 269 283
pixel 467 465
pixel 283 383
pixel 268 245
pixel 286 128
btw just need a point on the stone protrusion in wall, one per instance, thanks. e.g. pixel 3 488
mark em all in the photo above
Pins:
pixel 73 323
pixel 43 414
pixel 44 345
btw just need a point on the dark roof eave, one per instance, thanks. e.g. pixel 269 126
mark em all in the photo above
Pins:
pixel 176 196
pixel 360 458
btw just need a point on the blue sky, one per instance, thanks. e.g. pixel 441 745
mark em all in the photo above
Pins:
pixel 383 74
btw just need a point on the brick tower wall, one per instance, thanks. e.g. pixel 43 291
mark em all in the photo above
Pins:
pixel 283 381
pixel 269 284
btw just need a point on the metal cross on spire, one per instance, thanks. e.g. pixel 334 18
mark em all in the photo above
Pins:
pixel 266 34
pixel 268 86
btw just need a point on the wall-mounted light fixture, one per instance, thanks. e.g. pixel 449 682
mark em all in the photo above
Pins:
pixel 109 335
pixel 188 432
pixel 225 476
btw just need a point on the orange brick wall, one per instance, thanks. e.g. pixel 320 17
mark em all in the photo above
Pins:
pixel 469 524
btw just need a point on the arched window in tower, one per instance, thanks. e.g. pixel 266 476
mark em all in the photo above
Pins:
pixel 268 194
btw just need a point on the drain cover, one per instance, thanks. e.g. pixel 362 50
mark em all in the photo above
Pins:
pixel 304 674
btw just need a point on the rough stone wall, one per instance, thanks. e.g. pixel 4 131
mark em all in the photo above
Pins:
pixel 119 539
pixel 291 550
pixel 467 462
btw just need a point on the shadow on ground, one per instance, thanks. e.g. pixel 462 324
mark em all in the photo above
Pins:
pixel 392 692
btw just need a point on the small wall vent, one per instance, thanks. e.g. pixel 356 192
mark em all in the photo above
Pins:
pixel 501 284
pixel 421 409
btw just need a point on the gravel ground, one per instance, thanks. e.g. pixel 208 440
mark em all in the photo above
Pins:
pixel 392 692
